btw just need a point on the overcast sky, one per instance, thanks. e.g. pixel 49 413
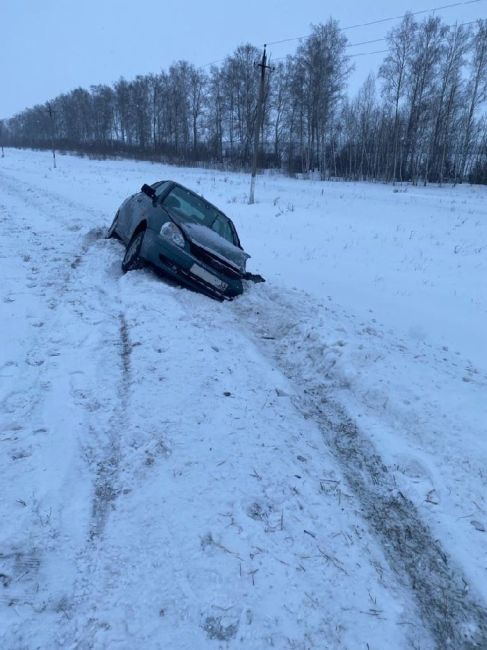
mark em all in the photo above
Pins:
pixel 48 47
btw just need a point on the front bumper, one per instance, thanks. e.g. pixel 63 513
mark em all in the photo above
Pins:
pixel 181 264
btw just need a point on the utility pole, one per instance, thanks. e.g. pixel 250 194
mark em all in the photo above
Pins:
pixel 258 123
pixel 1 137
pixel 51 117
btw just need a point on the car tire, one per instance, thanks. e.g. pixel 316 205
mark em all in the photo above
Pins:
pixel 132 260
pixel 111 232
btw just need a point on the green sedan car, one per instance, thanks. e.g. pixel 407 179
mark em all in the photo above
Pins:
pixel 182 235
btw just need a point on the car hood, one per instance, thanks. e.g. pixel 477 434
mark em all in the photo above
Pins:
pixel 213 244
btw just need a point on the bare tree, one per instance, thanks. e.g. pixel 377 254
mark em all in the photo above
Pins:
pixel 320 74
pixel 422 80
pixel 2 135
pixel 447 104
pixel 240 87
pixel 476 90
pixel 394 73
pixel 215 112
pixel 197 83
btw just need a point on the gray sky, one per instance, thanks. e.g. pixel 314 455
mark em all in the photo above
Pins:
pixel 48 47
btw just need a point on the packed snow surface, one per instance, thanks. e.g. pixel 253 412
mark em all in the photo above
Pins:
pixel 305 467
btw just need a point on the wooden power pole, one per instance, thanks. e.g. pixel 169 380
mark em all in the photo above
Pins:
pixel 258 123
pixel 51 117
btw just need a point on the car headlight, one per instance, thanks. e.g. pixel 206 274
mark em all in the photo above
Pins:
pixel 171 232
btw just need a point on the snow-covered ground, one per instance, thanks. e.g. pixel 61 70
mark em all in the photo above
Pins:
pixel 304 467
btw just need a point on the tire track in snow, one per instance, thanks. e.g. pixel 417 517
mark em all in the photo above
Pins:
pixel 106 489
pixel 52 280
pixel 104 454
pixel 103 451
pixel 58 270
pixel 71 301
pixel 103 448
pixel 454 615
pixel 73 295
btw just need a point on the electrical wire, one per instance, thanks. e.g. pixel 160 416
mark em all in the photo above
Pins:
pixel 351 56
pixel 384 20
pixel 374 22
pixel 384 38
pixel 206 65
pixel 378 40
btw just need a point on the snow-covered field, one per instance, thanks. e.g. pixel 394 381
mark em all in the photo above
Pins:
pixel 305 467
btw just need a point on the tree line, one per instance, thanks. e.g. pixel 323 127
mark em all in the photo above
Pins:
pixel 420 118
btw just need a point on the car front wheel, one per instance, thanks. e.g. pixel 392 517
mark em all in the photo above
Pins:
pixel 132 259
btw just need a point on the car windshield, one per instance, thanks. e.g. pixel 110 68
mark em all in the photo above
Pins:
pixel 185 204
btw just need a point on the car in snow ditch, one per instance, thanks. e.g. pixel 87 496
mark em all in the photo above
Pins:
pixel 184 236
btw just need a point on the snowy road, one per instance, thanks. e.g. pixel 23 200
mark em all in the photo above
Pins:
pixel 179 473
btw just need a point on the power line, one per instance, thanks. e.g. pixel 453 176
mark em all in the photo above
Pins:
pixel 351 56
pixel 384 38
pixel 415 13
pixel 374 22
pixel 377 40
pixel 213 62
pixel 384 20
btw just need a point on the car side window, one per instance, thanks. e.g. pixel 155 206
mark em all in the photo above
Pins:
pixel 160 188
pixel 177 202
pixel 188 204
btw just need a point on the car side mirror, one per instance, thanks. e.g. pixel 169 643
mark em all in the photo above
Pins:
pixel 148 190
